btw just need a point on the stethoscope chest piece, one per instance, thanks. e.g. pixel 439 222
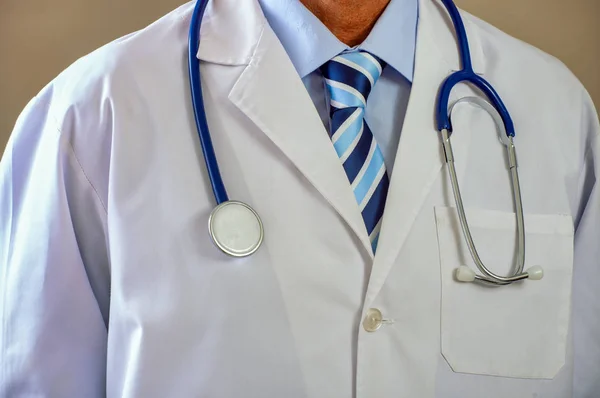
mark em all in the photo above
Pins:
pixel 236 228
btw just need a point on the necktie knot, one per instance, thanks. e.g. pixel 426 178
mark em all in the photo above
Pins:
pixel 350 77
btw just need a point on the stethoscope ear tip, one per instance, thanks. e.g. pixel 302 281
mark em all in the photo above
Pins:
pixel 464 274
pixel 535 273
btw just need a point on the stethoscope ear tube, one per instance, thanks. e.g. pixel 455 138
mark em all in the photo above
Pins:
pixel 464 273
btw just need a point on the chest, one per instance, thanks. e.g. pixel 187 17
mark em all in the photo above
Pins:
pixel 301 299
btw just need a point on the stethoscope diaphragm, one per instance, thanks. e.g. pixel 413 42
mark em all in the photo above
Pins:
pixel 236 228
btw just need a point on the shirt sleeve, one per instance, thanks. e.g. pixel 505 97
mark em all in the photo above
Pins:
pixel 586 273
pixel 54 271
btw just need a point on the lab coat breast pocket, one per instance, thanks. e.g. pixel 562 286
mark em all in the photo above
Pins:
pixel 518 330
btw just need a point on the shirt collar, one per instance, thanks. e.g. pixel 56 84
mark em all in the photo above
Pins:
pixel 310 44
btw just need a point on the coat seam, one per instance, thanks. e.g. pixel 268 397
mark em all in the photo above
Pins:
pixel 72 150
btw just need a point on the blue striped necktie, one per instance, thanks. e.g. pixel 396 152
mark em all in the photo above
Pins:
pixel 349 78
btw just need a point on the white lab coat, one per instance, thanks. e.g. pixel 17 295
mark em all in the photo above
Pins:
pixel 110 285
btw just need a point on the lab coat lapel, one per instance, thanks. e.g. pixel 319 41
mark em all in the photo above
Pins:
pixel 271 94
pixel 419 157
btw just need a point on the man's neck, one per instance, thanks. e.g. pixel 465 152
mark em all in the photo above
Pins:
pixel 350 21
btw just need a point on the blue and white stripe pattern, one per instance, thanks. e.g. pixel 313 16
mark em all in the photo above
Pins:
pixel 349 78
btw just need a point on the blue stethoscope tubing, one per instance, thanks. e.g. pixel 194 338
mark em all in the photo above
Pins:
pixel 228 212
pixel 212 166
pixel 466 74
pixel 234 226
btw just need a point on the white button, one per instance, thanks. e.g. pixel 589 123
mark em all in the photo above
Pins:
pixel 373 320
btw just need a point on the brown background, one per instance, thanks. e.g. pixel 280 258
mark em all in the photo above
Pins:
pixel 39 38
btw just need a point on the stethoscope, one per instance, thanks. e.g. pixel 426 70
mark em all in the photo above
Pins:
pixel 237 229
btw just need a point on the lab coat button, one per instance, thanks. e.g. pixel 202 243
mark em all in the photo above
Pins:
pixel 373 320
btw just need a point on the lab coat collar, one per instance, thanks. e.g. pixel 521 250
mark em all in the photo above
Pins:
pixel 271 94
pixel 230 32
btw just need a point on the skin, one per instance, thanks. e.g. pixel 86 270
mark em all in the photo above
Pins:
pixel 349 20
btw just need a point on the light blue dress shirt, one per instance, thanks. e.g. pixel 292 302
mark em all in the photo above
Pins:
pixel 310 44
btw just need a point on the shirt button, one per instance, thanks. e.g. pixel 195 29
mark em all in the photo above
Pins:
pixel 373 320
